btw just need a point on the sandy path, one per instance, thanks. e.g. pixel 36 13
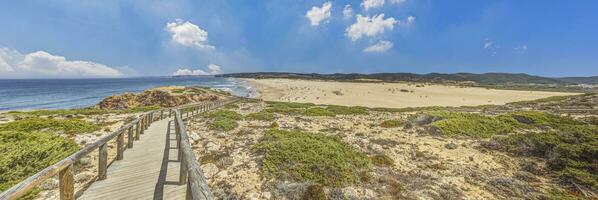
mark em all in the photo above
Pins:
pixel 396 95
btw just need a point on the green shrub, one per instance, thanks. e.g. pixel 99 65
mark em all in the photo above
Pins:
pixel 223 114
pixel 543 119
pixel 261 116
pixel 316 111
pixel 382 160
pixel 223 124
pixel 570 152
pixel 299 156
pixel 69 126
pixel 470 124
pixel 346 110
pixel 25 153
pixel 391 123
pixel 288 108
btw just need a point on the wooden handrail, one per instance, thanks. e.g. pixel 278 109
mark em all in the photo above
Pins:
pixel 190 171
pixel 197 187
pixel 64 166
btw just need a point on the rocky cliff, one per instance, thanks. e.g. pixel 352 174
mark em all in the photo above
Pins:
pixel 163 96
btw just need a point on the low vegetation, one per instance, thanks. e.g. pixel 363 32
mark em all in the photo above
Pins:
pixel 142 109
pixel 68 126
pixel 347 110
pixel 317 111
pixel 288 108
pixel 391 123
pixel 261 116
pixel 25 153
pixel 64 112
pixel 223 120
pixel 470 124
pixel 299 156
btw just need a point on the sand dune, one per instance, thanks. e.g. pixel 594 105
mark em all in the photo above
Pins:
pixel 396 95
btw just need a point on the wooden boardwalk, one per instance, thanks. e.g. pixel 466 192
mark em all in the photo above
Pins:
pixel 150 170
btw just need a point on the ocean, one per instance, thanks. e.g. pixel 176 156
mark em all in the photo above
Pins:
pixel 32 94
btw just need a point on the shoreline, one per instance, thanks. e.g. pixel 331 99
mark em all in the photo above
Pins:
pixel 390 95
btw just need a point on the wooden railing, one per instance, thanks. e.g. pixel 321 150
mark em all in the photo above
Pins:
pixel 64 168
pixel 190 171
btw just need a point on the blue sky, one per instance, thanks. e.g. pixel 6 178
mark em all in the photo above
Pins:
pixel 79 39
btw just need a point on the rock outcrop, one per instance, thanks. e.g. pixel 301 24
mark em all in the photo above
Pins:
pixel 164 97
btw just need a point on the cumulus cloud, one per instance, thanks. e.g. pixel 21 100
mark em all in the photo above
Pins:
pixel 369 26
pixel 347 11
pixel 188 34
pixel 213 70
pixel 369 4
pixel 410 20
pixel 44 64
pixel 381 46
pixel 319 14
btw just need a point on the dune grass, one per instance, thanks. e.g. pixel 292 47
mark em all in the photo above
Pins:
pixel 299 156
pixel 223 114
pixel 25 153
pixel 82 111
pixel 288 108
pixel 68 126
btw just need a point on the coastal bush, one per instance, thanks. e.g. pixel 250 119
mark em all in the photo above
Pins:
pixel 316 111
pixel 229 114
pixel 571 151
pixel 470 124
pixel 299 156
pixel 223 124
pixel 142 109
pixel 391 123
pixel 382 160
pixel 288 108
pixel 25 153
pixel 68 126
pixel 347 110
pixel 261 116
pixel 408 109
pixel 543 119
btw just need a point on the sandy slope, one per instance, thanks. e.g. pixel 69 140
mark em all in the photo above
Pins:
pixel 387 94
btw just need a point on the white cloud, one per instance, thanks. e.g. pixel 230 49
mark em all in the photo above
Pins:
pixel 489 46
pixel 410 19
pixel 381 46
pixel 369 26
pixel 369 4
pixel 214 69
pixel 521 49
pixel 319 14
pixel 44 64
pixel 397 1
pixel 347 11
pixel 188 34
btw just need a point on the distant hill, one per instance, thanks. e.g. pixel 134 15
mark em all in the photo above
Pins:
pixel 480 79
pixel 592 80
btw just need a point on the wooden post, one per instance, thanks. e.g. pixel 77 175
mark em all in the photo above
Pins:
pixel 137 130
pixel 142 128
pixel 103 161
pixel 66 184
pixel 130 137
pixel 161 114
pixel 120 146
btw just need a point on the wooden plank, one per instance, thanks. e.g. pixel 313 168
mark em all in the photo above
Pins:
pixel 66 184
pixel 102 161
